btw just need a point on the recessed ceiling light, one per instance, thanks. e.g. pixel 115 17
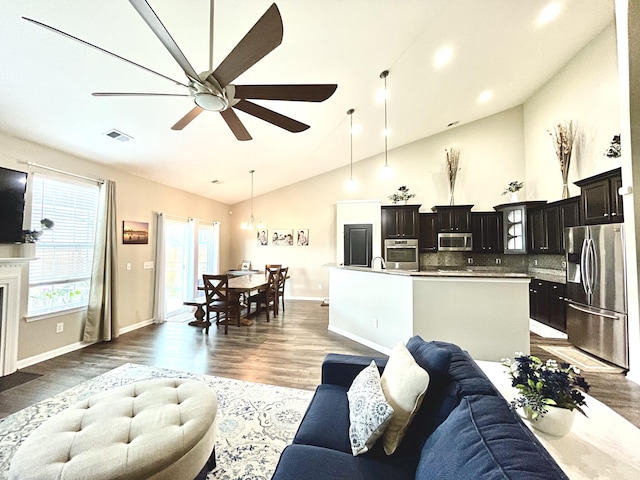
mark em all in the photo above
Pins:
pixel 548 13
pixel 443 56
pixel 485 96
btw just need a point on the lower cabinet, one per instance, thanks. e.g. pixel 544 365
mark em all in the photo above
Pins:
pixel 547 305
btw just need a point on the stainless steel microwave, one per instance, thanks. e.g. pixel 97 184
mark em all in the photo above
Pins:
pixel 455 242
pixel 401 254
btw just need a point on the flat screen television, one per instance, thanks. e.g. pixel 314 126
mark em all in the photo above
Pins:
pixel 13 185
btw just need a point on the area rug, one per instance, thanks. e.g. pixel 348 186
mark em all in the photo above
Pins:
pixel 255 421
pixel 583 361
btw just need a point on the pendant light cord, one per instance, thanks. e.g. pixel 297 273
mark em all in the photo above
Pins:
pixel 211 36
pixel 384 75
pixel 351 138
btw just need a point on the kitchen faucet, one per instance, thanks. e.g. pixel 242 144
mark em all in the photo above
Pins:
pixel 383 264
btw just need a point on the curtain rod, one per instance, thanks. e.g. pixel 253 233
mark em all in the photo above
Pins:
pixel 45 167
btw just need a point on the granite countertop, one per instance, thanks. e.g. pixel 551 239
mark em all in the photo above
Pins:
pixel 486 272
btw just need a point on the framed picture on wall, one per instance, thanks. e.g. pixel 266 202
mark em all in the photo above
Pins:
pixel 282 237
pixel 303 237
pixel 263 237
pixel 135 232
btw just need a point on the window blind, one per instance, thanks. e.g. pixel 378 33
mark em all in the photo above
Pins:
pixel 59 279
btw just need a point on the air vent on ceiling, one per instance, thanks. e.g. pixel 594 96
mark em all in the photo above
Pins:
pixel 117 135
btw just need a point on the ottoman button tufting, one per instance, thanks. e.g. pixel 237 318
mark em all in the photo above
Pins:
pixel 126 443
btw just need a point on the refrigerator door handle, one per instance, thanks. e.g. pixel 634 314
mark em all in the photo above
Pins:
pixel 591 312
pixel 591 261
pixel 583 266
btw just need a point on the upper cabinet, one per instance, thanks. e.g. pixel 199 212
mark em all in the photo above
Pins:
pixel 514 220
pixel 428 232
pixel 400 221
pixel 599 198
pixel 546 225
pixel 454 218
pixel 486 228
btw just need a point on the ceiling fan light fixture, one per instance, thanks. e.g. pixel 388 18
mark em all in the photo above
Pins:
pixel 211 102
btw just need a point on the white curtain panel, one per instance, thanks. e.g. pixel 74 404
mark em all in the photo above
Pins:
pixel 159 307
pixel 102 322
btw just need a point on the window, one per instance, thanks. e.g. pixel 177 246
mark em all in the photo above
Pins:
pixel 59 278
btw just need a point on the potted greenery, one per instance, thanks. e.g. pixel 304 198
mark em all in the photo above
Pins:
pixel 402 195
pixel 31 236
pixel 550 393
pixel 513 188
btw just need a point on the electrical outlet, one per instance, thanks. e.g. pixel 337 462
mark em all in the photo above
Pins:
pixel 128 266
pixel 319 286
pixel 375 323
pixel 498 261
pixel 470 260
pixel 535 262
pixel 59 327
pixel 564 264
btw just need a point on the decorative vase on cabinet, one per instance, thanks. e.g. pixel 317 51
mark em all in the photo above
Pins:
pixel 557 421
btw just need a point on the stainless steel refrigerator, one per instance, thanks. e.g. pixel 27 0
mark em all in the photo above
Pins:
pixel 596 291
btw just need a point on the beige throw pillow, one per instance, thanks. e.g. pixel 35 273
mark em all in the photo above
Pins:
pixel 404 384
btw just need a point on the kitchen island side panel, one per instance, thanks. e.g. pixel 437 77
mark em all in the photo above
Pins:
pixel 371 308
pixel 488 317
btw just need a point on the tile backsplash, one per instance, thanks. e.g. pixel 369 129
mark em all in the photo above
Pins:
pixel 511 263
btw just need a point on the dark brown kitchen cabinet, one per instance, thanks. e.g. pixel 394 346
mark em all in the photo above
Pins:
pixel 454 218
pixel 486 228
pixel 599 198
pixel 544 230
pixel 547 304
pixel 428 232
pixel 569 216
pixel 400 221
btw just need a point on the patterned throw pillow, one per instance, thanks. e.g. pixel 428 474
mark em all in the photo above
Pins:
pixel 369 413
pixel 404 384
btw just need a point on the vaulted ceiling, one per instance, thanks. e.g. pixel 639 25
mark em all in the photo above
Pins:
pixel 497 46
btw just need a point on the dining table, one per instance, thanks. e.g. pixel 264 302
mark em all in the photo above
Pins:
pixel 236 286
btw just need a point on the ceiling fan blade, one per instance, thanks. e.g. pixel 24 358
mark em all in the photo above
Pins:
pixel 149 16
pixel 235 125
pixel 270 116
pixel 296 93
pixel 133 94
pixel 55 30
pixel 263 37
pixel 184 121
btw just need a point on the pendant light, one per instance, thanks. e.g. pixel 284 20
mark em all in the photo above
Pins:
pixel 387 171
pixel 250 225
pixel 351 185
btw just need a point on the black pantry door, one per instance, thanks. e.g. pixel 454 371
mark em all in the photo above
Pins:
pixel 358 244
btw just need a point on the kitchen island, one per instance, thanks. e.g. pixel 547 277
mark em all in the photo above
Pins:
pixel 485 312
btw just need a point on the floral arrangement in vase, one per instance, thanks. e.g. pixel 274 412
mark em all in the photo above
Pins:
pixel 543 385
pixel 453 159
pixel 513 188
pixel 563 136
pixel 401 195
pixel 32 236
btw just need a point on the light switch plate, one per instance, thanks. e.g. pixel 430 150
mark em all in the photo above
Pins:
pixel 148 265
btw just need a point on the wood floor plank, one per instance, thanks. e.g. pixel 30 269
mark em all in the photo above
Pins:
pixel 287 351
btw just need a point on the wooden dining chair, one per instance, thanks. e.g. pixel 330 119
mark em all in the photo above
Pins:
pixel 282 278
pixel 267 297
pixel 219 300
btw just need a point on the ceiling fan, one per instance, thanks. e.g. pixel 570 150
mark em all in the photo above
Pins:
pixel 212 90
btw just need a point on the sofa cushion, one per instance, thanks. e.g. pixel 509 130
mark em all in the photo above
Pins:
pixel 304 462
pixel 326 421
pixel 369 412
pixel 483 438
pixel 430 356
pixel 404 384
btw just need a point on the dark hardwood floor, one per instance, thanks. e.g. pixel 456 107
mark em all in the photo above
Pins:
pixel 287 351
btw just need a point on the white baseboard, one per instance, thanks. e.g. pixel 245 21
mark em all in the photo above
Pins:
pixel 135 326
pixel 313 299
pixel 363 341
pixel 27 362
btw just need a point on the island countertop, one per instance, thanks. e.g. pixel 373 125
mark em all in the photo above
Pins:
pixel 485 272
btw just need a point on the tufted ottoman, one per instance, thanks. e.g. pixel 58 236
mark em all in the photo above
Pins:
pixel 155 429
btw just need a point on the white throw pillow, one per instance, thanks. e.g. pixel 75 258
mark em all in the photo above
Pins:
pixel 369 413
pixel 404 384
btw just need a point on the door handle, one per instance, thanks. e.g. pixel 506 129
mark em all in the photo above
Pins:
pixel 591 312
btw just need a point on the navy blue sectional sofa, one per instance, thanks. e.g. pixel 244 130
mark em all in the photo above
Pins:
pixel 464 428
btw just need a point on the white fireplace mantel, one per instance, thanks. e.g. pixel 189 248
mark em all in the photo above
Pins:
pixel 10 281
